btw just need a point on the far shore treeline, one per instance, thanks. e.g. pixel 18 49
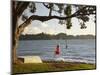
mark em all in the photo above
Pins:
pixel 43 36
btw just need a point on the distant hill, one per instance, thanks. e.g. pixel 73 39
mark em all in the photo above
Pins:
pixel 43 36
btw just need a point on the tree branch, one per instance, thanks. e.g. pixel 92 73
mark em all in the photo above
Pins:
pixel 46 18
pixel 21 7
pixel 46 6
pixel 40 18
pixel 80 12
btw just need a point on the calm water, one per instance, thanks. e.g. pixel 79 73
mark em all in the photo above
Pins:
pixel 78 50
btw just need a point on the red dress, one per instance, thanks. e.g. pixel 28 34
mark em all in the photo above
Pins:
pixel 57 50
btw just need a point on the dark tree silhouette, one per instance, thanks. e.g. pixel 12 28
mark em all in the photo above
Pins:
pixel 82 13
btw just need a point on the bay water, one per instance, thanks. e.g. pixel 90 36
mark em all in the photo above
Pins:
pixel 78 50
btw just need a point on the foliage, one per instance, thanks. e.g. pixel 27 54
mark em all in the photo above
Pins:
pixel 43 36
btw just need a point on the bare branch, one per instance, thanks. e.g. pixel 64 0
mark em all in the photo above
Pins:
pixel 46 5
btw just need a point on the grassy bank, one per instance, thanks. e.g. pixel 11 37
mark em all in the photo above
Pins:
pixel 51 67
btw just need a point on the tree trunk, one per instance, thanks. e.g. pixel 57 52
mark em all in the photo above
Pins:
pixel 14 51
pixel 16 39
pixel 17 11
pixel 15 36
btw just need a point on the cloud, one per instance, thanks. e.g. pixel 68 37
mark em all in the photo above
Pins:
pixel 47 28
pixel 51 31
pixel 25 31
pixel 31 30
pixel 44 25
pixel 36 30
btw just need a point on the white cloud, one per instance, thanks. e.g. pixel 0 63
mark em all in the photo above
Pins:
pixel 25 31
pixel 36 30
pixel 31 30
pixel 50 31
pixel 44 25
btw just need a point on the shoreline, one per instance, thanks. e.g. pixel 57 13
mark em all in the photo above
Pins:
pixel 58 59
pixel 51 66
pixel 47 61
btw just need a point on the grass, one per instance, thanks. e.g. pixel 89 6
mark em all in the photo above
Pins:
pixel 50 67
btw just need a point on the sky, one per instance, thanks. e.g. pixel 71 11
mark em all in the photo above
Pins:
pixel 53 27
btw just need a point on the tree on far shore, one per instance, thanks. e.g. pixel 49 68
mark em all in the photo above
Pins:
pixel 82 13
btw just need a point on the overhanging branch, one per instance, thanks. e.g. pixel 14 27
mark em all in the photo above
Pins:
pixel 46 18
pixel 40 18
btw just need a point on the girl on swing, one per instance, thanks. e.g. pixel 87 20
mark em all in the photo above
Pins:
pixel 57 51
